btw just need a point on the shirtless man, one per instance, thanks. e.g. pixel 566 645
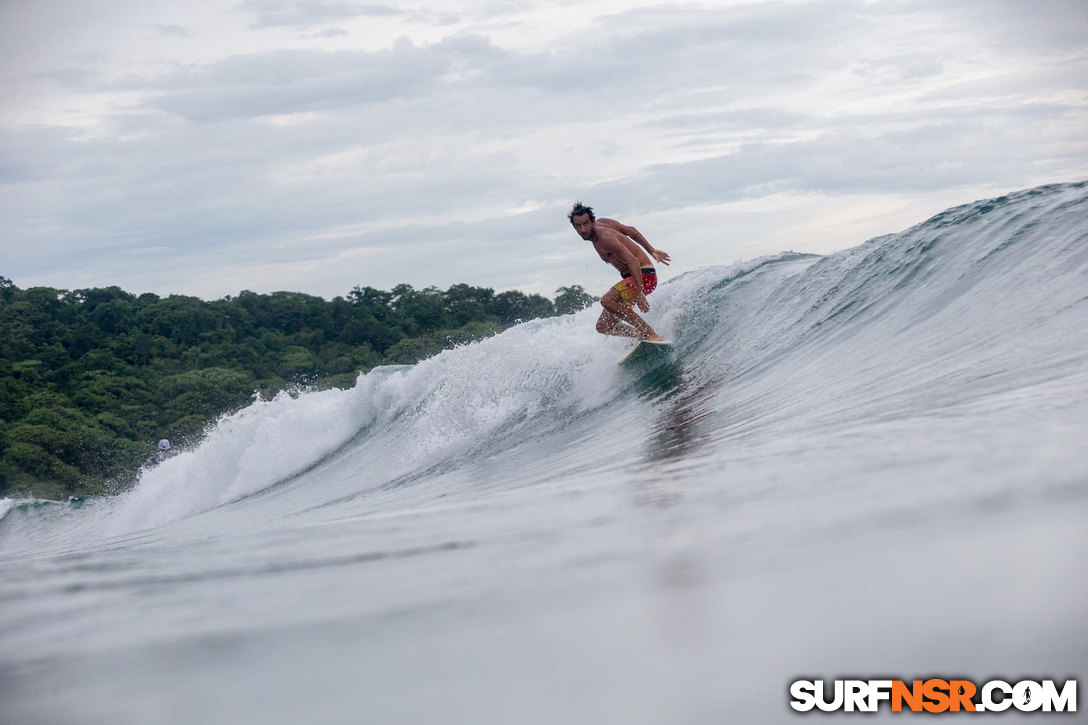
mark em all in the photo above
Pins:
pixel 613 242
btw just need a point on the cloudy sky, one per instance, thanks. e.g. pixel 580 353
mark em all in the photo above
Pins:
pixel 208 147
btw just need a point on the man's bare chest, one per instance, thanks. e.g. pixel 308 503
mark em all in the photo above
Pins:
pixel 605 253
pixel 609 250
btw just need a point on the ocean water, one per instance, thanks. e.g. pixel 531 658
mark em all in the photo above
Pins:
pixel 869 464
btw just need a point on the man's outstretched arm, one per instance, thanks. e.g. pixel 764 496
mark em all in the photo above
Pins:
pixel 658 254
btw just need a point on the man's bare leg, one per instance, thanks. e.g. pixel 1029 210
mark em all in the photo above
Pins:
pixel 616 313
pixel 609 324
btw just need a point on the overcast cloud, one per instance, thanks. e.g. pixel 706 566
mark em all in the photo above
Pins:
pixel 310 145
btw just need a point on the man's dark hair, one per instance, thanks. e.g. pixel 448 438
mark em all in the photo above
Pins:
pixel 578 210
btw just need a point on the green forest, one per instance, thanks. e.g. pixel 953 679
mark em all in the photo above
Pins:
pixel 90 379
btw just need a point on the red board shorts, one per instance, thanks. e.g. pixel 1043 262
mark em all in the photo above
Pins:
pixel 627 290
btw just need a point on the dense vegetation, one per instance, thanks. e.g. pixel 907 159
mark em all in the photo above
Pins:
pixel 90 379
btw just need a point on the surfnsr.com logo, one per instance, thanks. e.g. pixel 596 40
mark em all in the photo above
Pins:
pixel 933 696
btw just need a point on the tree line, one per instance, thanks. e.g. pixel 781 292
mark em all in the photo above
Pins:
pixel 90 379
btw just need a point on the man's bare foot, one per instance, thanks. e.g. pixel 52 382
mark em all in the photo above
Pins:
pixel 654 338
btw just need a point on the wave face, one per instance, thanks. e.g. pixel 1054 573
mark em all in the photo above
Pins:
pixel 922 397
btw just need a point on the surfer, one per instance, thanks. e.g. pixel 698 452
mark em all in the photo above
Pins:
pixel 164 452
pixel 622 247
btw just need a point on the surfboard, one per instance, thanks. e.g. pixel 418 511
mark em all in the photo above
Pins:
pixel 645 351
